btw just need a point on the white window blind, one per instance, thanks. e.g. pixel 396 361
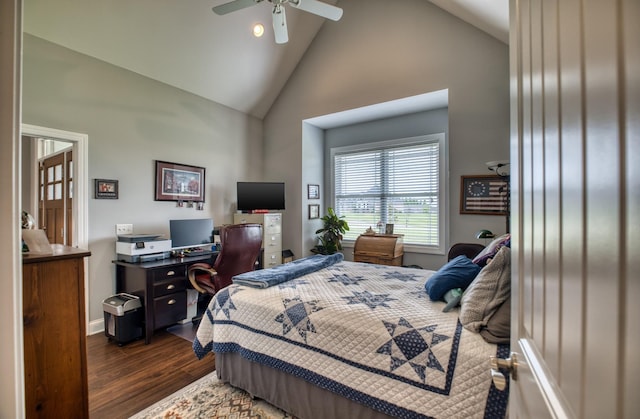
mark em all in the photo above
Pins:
pixel 394 183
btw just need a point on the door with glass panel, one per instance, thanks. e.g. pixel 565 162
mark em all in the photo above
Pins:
pixel 56 197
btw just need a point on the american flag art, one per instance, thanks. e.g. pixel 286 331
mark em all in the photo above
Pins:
pixel 484 195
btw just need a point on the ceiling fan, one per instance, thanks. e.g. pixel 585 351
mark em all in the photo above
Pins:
pixel 278 13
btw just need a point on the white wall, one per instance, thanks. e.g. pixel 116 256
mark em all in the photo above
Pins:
pixel 131 121
pixel 378 53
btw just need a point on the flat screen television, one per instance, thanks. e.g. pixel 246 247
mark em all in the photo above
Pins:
pixel 260 196
pixel 191 233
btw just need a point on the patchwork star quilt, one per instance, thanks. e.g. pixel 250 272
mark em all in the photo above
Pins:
pixel 367 332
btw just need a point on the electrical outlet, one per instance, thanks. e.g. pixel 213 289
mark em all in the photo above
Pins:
pixel 124 229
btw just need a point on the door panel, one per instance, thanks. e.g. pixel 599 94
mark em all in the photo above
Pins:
pixel 56 198
pixel 575 110
pixel 52 198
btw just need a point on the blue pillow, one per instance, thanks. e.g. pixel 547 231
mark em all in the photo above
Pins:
pixel 457 273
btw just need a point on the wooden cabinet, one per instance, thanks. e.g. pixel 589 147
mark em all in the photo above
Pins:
pixel 383 249
pixel 272 236
pixel 55 358
pixel 161 286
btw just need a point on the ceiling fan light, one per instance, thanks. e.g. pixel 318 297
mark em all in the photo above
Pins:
pixel 258 30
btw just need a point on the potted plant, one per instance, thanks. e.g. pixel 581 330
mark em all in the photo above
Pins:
pixel 330 235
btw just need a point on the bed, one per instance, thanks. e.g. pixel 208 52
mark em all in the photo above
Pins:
pixel 328 338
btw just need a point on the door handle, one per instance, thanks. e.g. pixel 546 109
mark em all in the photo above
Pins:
pixel 509 364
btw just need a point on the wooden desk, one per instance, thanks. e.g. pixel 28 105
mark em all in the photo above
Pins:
pixel 383 249
pixel 162 288
pixel 55 356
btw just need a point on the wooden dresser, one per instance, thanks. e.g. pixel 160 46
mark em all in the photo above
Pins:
pixel 383 249
pixel 55 357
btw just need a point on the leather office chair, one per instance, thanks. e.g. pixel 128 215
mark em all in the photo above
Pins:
pixel 241 244
pixel 470 250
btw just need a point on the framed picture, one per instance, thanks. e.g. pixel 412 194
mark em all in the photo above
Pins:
pixel 388 229
pixel 314 211
pixel 313 191
pixel 484 195
pixel 105 189
pixel 179 182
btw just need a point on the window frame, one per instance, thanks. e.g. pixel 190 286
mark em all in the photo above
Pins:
pixel 443 184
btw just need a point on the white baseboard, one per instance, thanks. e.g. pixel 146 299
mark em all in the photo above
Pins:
pixel 96 326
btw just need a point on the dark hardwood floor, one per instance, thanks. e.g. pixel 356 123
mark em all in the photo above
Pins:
pixel 124 380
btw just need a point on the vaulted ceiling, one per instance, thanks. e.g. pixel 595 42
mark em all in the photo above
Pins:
pixel 184 44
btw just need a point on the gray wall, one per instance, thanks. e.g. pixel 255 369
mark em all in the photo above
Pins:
pixel 377 53
pixel 131 121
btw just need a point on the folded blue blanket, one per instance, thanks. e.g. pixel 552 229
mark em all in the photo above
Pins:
pixel 265 278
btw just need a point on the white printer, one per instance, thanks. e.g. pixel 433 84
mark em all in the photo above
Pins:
pixel 142 247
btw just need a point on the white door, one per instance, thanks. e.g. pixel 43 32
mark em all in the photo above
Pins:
pixel 575 167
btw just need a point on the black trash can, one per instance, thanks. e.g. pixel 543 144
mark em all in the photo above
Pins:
pixel 122 318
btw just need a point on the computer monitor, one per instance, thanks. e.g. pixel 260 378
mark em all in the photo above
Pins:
pixel 191 233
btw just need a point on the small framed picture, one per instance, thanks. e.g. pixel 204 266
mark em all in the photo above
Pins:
pixel 388 229
pixel 105 189
pixel 314 211
pixel 313 191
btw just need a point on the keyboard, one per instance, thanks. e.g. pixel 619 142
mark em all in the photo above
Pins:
pixel 195 253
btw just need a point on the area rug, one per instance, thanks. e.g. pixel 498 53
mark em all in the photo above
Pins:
pixel 210 398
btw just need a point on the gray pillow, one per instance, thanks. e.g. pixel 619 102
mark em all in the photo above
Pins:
pixel 487 292
pixel 498 328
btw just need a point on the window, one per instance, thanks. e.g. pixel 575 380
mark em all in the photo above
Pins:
pixel 398 182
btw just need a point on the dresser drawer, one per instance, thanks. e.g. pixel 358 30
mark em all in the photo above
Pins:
pixel 271 259
pixel 170 309
pixel 169 286
pixel 272 242
pixel 272 223
pixel 379 260
pixel 160 274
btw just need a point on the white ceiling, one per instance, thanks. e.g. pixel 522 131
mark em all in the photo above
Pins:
pixel 184 44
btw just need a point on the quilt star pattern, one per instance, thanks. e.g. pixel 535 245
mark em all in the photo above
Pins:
pixel 296 316
pixel 369 299
pixel 413 346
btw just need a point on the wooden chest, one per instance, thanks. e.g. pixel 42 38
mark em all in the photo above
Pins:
pixel 383 249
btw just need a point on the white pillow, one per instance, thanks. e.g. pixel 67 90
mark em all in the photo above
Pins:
pixel 487 292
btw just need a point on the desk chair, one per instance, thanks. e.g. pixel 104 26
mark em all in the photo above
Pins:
pixel 241 244
pixel 470 250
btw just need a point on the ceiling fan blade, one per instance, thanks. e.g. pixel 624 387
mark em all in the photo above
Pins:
pixel 232 6
pixel 280 24
pixel 318 8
